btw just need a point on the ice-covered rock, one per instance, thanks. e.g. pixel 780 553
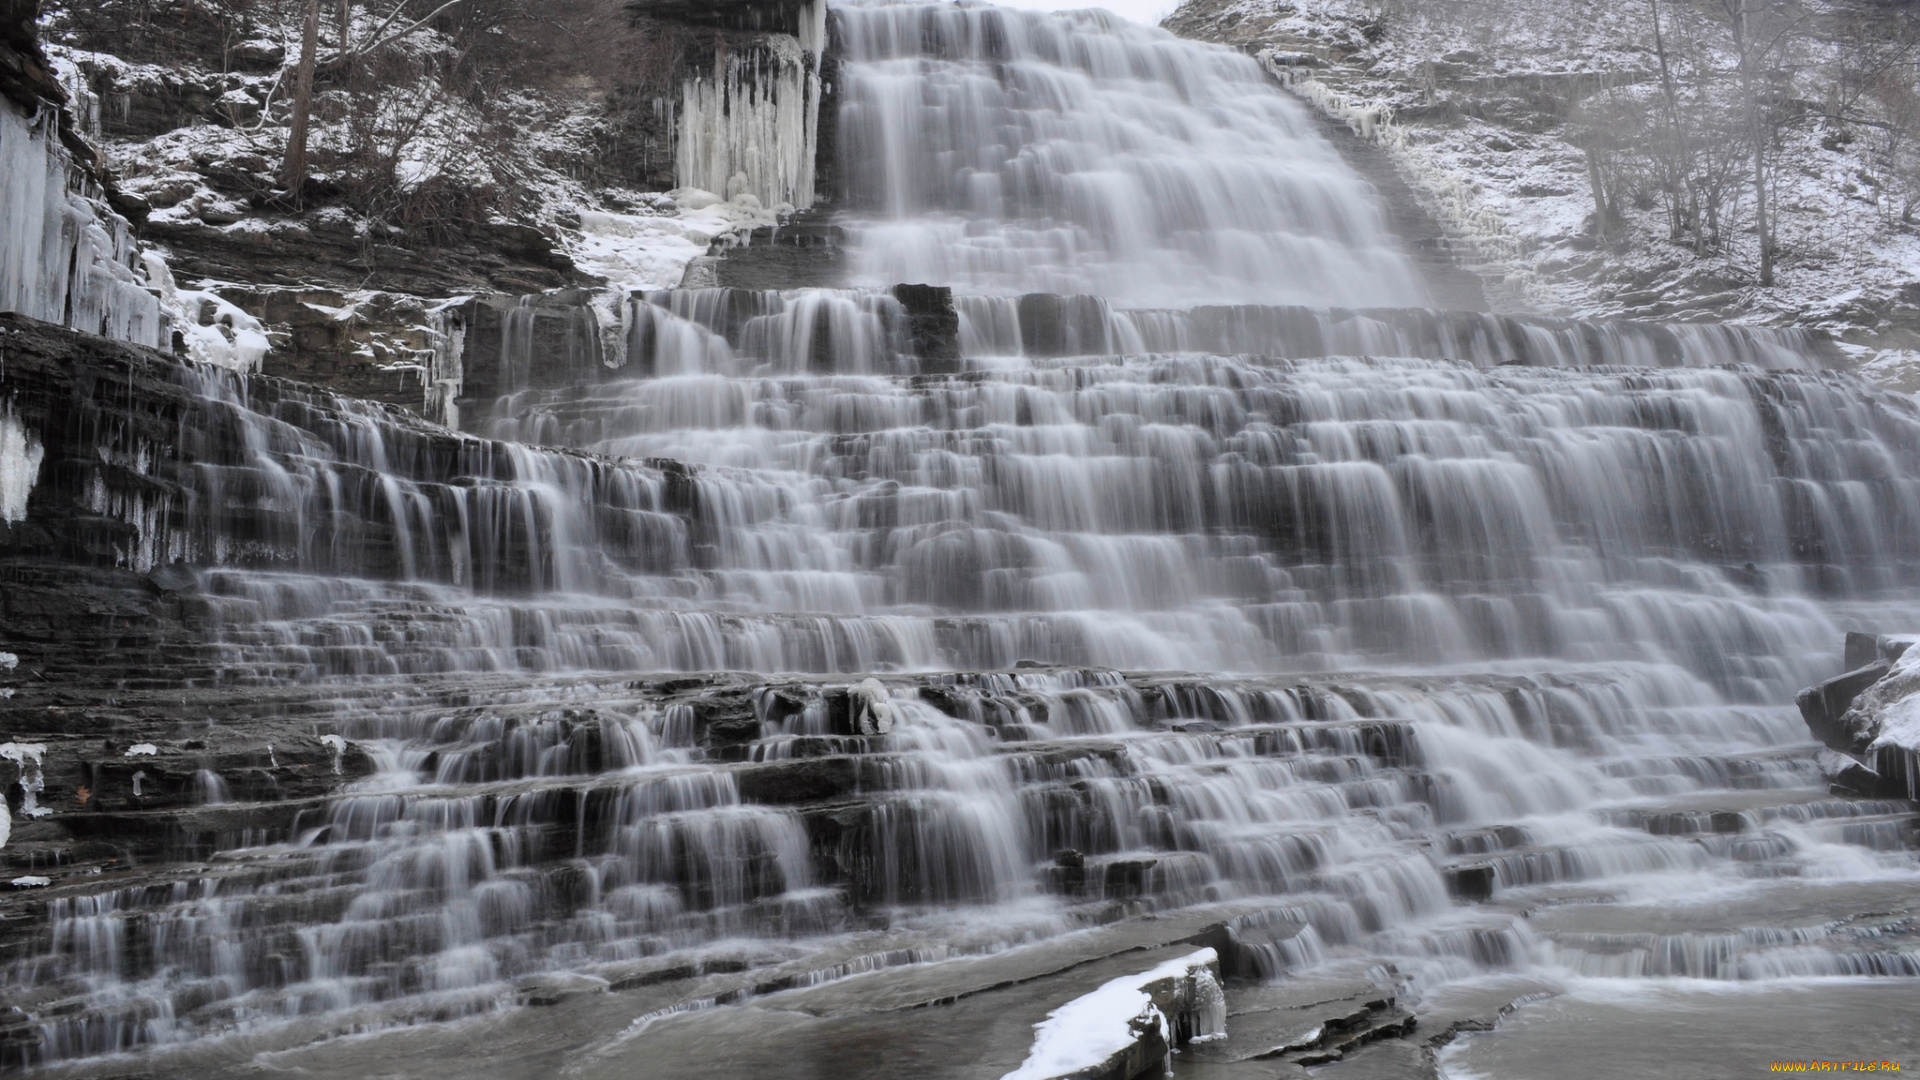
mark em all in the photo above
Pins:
pixel 873 714
pixel 28 757
pixel 64 259
pixel 749 124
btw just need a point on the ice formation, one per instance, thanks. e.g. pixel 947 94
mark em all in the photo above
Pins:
pixel 28 757
pixel 145 749
pixel 750 126
pixel 63 259
pixel 20 454
pixel 1085 1032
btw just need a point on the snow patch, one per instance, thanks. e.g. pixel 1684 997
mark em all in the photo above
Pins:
pixel 1090 1029
pixel 216 332
pixel 145 749
pixel 643 252
pixel 31 881
pixel 1900 718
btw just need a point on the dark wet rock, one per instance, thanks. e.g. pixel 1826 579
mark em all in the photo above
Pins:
pixel 1861 650
pixel 788 783
pixel 549 990
pixel 1473 884
pixel 933 326
pixel 174 578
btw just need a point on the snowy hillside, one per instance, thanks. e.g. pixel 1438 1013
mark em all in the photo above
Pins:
pixel 1488 108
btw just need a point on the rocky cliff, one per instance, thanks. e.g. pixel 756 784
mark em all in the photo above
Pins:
pixel 481 152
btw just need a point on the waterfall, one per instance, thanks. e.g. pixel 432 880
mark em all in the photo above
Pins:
pixel 819 648
pixel 1001 151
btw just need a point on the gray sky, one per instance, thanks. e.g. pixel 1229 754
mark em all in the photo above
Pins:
pixel 1146 11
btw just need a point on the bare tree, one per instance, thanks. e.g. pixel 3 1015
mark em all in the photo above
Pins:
pixel 295 172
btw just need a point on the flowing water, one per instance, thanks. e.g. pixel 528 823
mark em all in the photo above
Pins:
pixel 1008 152
pixel 781 659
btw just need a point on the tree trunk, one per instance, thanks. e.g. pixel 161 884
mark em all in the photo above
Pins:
pixel 295 173
pixel 346 26
pixel 1602 209
pixel 1762 220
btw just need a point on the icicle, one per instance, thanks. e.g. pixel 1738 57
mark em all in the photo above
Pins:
pixel 750 127
pixel 63 258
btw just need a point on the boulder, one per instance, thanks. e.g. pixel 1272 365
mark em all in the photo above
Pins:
pixel 1872 714
pixel 1825 706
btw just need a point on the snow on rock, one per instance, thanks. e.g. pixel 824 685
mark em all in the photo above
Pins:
pixel 641 252
pixel 215 331
pixel 1887 715
pixel 1134 1014
pixel 339 747
pixel 873 711
pixel 145 749
pixel 31 881
pixel 20 454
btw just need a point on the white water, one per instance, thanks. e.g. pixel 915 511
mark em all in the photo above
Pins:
pixel 1003 151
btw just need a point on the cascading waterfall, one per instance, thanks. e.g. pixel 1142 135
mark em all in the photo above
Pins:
pixel 766 624
pixel 1001 152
